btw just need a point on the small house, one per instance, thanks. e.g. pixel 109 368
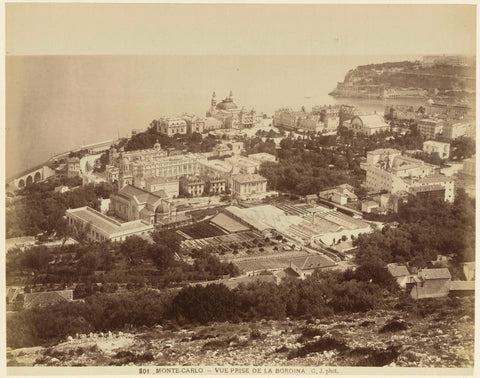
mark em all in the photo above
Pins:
pixel 370 206
pixel 431 283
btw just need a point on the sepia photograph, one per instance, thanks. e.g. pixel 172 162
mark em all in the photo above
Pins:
pixel 213 188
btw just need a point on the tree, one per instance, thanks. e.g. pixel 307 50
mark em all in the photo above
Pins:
pixel 169 238
pixel 36 259
pixel 462 148
pixel 161 255
pixel 134 248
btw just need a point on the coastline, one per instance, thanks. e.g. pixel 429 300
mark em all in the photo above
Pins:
pixel 62 155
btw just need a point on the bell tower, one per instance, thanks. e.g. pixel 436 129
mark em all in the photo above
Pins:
pixel 214 100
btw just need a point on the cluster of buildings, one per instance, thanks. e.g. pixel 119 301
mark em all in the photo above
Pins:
pixel 224 114
pixel 322 119
pixel 395 176
pixel 437 120
pixel 450 60
pixel 150 179
pixel 189 174
pixel 432 282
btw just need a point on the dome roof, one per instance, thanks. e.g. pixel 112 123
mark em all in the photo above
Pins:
pixel 226 104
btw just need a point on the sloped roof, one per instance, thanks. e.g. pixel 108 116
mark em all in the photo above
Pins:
pixel 161 193
pixel 106 224
pixel 372 120
pixel 426 188
pixel 227 223
pixel 257 224
pixel 46 298
pixel 312 262
pixel 398 270
pixel 12 293
pixel 462 285
pixel 435 274
pixel 434 178
pixel 147 212
pixel 243 179
pixel 140 195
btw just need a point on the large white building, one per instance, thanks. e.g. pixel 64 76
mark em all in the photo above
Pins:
pixel 132 203
pixel 441 148
pixel 216 168
pixel 242 164
pixel 430 128
pixel 367 124
pixel 387 170
pixel 171 126
pixel 288 118
pixel 245 186
pixel 455 130
pixel 97 227
pixel 230 116
pixel 134 166
pixel 263 157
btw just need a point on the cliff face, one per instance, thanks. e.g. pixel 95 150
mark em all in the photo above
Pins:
pixel 438 333
pixel 407 79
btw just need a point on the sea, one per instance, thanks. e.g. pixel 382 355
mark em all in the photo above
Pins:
pixel 58 103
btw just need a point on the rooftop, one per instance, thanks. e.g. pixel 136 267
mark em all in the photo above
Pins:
pixel 106 224
pixel 227 223
pixel 398 270
pixel 462 285
pixel 429 121
pixel 262 156
pixel 434 179
pixel 244 179
pixel 426 188
pixel 434 274
pixel 384 151
pixel 46 298
pixel 372 120
pixel 159 180
pixel 257 224
pixel 312 262
pixel 140 195
pixel 435 143
pixel 219 165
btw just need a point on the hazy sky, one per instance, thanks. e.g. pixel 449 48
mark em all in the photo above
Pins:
pixel 53 28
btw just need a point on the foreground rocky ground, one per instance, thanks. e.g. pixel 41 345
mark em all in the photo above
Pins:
pixel 440 337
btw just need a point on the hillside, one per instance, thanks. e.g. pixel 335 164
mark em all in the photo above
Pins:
pixel 429 333
pixel 380 80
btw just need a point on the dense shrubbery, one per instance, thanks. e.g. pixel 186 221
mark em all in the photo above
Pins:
pixel 100 312
pixel 42 210
pixel 427 229
pixel 320 295
pixel 135 261
pixel 192 142
pixel 462 148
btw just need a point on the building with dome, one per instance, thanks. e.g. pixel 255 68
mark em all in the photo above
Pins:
pixel 228 113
